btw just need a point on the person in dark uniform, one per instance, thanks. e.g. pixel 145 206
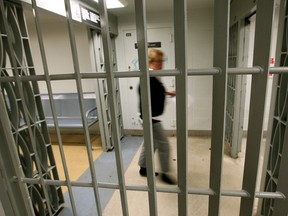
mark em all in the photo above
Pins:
pixel 158 95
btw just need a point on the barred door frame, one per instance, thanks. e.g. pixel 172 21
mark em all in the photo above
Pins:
pixel 274 174
pixel 26 149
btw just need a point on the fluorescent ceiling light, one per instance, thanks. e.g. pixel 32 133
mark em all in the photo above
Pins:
pixel 114 3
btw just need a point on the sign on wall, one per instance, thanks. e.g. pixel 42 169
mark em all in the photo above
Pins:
pixel 90 17
pixel 78 11
pixel 151 45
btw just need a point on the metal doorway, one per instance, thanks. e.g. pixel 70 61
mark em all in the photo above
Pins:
pixel 104 112
pixel 235 92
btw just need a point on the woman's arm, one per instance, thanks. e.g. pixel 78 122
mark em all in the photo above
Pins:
pixel 171 93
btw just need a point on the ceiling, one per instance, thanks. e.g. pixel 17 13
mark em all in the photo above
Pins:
pixel 159 6
pixel 152 6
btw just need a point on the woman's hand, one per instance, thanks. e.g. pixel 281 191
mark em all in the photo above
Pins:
pixel 171 93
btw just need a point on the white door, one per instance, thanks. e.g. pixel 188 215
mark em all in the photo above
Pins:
pixel 160 38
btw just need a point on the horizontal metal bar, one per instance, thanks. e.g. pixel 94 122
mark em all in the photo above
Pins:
pixel 32 78
pixel 82 75
pixel 270 195
pixel 191 72
pixel 123 74
pixel 108 185
pixel 248 70
pixel 278 70
pixel 27 180
pixel 199 191
pixel 64 183
pixel 127 74
pixel 168 72
pixel 168 189
pixel 93 75
pixel 208 71
pixel 231 71
pixel 194 191
pixel 100 185
pixel 137 187
pixel 243 193
pixel 23 67
pixel 203 71
pixel 158 189
pixel 4 79
pixel 172 72
pixel 62 76
pixel 236 193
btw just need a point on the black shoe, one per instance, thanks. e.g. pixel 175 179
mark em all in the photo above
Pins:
pixel 165 178
pixel 143 172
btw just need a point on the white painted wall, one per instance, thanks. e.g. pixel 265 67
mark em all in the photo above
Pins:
pixel 200 53
pixel 58 51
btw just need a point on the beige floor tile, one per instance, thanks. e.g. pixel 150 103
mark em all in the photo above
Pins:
pixel 75 152
pixel 198 177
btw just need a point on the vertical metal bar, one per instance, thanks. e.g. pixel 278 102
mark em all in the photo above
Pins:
pixel 81 105
pixel 280 35
pixel 221 38
pixel 263 32
pixel 141 26
pixel 112 101
pixel 180 31
pixel 53 110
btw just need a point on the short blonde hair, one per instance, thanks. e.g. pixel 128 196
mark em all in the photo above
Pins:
pixel 153 53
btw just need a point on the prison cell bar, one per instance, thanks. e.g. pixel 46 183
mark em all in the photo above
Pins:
pixel 220 59
pixel 180 32
pixel 263 32
pixel 141 28
pixel 112 101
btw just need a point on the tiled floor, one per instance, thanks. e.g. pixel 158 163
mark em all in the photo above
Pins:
pixel 198 177
pixel 75 153
pixel 106 172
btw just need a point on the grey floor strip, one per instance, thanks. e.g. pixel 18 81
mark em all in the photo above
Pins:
pixel 106 172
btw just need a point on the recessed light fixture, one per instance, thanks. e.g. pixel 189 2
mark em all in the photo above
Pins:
pixel 114 3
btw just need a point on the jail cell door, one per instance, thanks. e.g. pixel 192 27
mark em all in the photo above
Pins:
pixel 25 145
pixel 236 85
pixel 101 90
pixel 159 38
pixel 274 175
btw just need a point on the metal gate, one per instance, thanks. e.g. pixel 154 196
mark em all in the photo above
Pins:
pixel 274 177
pixel 235 95
pixel 26 149
pixel 19 183
pixel 102 90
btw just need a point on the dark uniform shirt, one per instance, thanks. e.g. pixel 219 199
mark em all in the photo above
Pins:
pixel 157 91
